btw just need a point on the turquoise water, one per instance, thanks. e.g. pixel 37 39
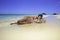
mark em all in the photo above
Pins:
pixel 9 17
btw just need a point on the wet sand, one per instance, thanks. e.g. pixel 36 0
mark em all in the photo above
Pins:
pixel 44 31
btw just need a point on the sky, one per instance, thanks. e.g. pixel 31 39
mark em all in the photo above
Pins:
pixel 29 6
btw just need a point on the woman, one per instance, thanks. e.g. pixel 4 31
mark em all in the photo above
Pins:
pixel 29 20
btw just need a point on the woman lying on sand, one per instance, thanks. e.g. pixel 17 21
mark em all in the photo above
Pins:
pixel 29 20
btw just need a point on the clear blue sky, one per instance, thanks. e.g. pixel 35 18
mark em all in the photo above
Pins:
pixel 29 6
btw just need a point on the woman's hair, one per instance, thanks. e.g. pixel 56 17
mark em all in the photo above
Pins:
pixel 40 15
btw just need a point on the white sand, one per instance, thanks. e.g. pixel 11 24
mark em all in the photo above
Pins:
pixel 57 16
pixel 44 31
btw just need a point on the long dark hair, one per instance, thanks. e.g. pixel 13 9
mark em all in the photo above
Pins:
pixel 40 15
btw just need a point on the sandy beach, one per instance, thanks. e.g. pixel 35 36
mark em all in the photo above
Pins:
pixel 44 31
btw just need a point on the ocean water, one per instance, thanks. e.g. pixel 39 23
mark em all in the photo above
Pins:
pixel 10 17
